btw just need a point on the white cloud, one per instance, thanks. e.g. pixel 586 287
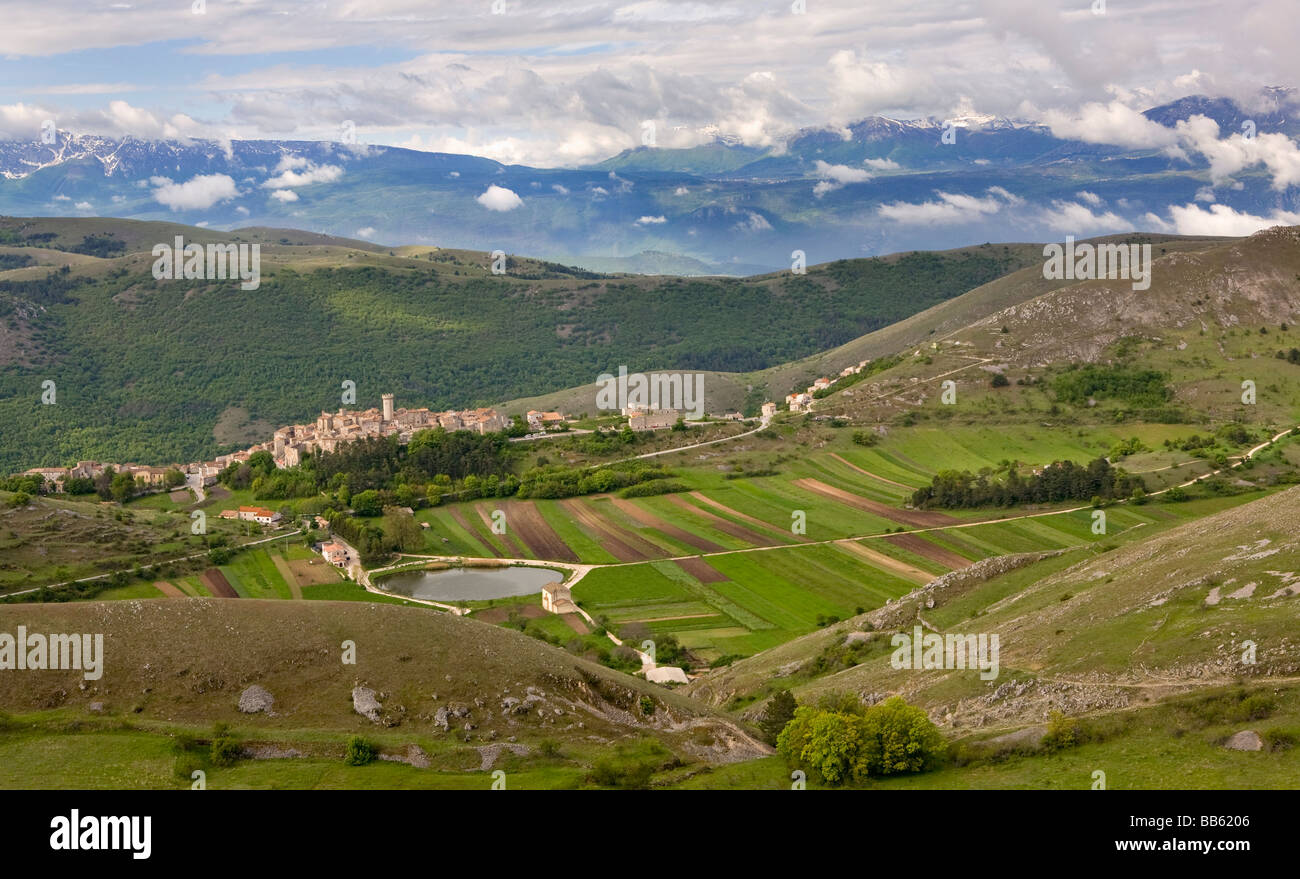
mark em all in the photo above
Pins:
pixel 84 206
pixel 197 193
pixel 882 164
pixel 950 209
pixel 681 190
pixel 498 198
pixel 1072 218
pixel 284 195
pixel 366 232
pixel 289 177
pixel 1091 198
pixel 841 173
pixel 650 221
pixel 754 222
pixel 562 190
pixel 1219 219
pixel 1113 123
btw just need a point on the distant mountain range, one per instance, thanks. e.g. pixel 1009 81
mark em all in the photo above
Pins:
pixel 884 185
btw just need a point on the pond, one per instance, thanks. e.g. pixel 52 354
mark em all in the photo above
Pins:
pixel 470 584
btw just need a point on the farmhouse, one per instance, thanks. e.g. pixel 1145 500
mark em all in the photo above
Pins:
pixel 335 553
pixel 556 598
pixel 260 515
pixel 656 420
pixel 542 420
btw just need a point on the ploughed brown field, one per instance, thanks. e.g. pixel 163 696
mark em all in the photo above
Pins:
pixel 650 520
pixel 702 570
pixel 217 584
pixel 532 529
pixel 915 518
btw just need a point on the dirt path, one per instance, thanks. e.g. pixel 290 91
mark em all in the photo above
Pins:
pixel 915 518
pixel 880 560
pixel 282 565
pixel 876 476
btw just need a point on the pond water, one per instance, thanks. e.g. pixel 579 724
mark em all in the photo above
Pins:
pixel 470 584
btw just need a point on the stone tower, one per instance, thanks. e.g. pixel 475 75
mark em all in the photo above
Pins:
pixel 388 407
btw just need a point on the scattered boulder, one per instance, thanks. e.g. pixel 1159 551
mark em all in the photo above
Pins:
pixel 1246 740
pixel 256 699
pixel 365 703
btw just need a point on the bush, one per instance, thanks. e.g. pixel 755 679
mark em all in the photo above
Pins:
pixel 359 752
pixel 842 743
pixel 224 750
pixel 1278 739
pixel 1062 732
pixel 999 381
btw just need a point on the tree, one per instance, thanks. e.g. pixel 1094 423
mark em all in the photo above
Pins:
pixel 779 711
pixel 838 742
pixel 367 503
pixel 121 487
pixel 999 380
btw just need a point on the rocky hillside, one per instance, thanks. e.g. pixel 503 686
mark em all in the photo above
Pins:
pixel 278 667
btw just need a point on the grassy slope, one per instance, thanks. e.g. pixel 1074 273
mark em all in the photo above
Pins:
pixel 181 665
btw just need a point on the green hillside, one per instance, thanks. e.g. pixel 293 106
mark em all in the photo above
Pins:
pixel 147 369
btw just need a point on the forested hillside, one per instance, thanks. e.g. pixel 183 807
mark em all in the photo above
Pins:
pixel 146 370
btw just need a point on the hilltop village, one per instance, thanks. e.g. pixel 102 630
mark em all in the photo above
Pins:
pixel 289 444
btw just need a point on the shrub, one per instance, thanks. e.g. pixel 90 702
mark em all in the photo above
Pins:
pixel 1062 732
pixel 838 742
pixel 999 381
pixel 1278 739
pixel 224 750
pixel 359 752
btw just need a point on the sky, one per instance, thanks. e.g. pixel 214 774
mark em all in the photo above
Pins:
pixel 571 82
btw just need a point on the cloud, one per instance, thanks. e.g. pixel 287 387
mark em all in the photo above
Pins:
pixel 562 190
pixel 1219 219
pixel 366 232
pixel 1073 218
pixel 84 206
pixel 950 208
pixel 197 193
pixel 649 221
pixel 1091 198
pixel 754 222
pixel 289 176
pixel 284 195
pixel 1113 123
pixel 498 198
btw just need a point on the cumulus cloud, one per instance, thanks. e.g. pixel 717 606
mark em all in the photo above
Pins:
pixel 366 232
pixel 289 175
pixel 949 209
pixel 1113 123
pixel 284 195
pixel 1219 219
pixel 753 222
pixel 651 221
pixel 1073 218
pixel 498 198
pixel 197 193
